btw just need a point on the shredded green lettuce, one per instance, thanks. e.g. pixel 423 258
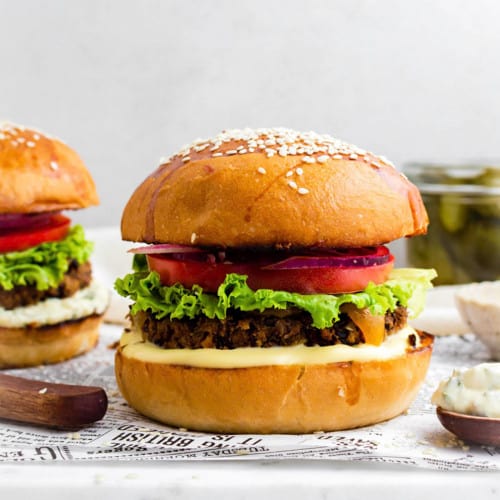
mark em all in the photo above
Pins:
pixel 44 265
pixel 405 286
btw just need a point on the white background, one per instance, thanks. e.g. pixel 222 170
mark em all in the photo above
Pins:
pixel 126 82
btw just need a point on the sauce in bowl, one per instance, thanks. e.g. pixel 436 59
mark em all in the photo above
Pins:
pixel 473 391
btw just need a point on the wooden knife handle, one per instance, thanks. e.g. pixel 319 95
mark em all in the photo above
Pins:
pixel 51 405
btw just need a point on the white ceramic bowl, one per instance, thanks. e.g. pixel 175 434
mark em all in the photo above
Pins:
pixel 479 306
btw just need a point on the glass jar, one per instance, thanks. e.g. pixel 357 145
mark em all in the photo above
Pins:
pixel 463 238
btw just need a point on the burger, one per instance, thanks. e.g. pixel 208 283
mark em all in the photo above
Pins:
pixel 50 308
pixel 263 297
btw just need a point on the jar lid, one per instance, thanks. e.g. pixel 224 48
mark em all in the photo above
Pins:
pixel 481 178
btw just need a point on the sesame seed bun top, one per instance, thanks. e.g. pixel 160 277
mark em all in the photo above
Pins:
pixel 269 187
pixel 39 173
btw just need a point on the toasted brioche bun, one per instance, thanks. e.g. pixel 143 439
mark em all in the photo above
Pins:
pixel 22 347
pixel 274 399
pixel 39 173
pixel 238 189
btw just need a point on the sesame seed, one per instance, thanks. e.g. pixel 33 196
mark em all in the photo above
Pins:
pixel 193 237
pixel 54 165
pixel 292 184
pixel 21 140
pixel 310 146
pixel 42 391
pixel 308 159
pixel 186 159
pixel 289 173
pixel 283 151
pixel 36 137
pixel 302 190
pixel 299 171
pixel 261 170
pixel 30 144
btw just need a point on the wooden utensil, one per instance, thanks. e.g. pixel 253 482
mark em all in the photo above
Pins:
pixel 51 405
pixel 482 430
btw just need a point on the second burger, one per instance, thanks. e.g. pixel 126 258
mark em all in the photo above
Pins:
pixel 50 307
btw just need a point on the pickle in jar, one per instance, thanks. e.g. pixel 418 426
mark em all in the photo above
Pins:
pixel 463 239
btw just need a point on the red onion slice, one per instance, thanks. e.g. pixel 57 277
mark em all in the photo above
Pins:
pixel 349 258
pixel 23 221
pixel 166 249
pixel 310 259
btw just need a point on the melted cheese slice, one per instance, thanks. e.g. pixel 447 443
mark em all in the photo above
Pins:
pixel 133 346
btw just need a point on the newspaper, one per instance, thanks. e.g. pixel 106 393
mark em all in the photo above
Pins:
pixel 415 439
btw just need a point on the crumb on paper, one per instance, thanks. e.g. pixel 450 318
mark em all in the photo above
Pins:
pixel 98 478
pixel 131 475
pixel 429 451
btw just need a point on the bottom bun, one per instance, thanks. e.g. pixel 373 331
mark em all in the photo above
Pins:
pixel 22 347
pixel 274 399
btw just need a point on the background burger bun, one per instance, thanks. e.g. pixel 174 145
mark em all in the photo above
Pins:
pixel 274 399
pixel 31 346
pixel 39 173
pixel 247 192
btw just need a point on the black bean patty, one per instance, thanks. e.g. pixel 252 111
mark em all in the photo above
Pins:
pixel 273 327
pixel 76 278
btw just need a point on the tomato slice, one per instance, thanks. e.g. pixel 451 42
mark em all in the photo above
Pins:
pixel 209 275
pixel 54 228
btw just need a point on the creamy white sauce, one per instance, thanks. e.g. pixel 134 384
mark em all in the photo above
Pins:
pixel 93 299
pixel 134 346
pixel 473 391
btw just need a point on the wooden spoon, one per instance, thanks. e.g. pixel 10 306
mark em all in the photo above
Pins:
pixel 482 430
pixel 51 405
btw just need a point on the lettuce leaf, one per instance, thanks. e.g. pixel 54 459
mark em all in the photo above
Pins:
pixel 405 286
pixel 44 265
